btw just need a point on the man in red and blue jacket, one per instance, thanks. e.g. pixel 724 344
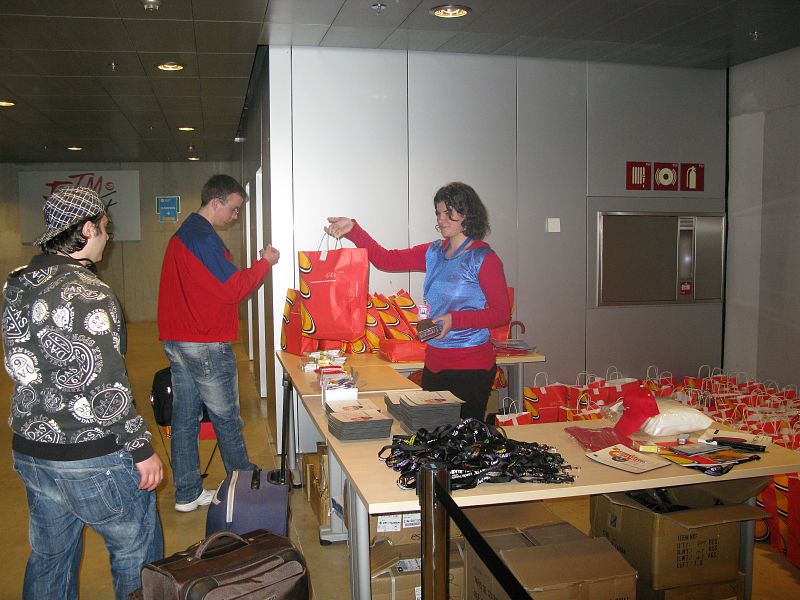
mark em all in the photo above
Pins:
pixel 198 319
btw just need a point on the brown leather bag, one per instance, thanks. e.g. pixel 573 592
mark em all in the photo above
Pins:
pixel 225 565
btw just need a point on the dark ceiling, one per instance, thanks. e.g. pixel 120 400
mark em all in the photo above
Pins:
pixel 56 57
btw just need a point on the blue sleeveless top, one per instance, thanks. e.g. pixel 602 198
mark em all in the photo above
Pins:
pixel 452 284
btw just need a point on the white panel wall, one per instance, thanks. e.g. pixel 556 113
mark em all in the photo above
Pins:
pixel 552 184
pixel 745 194
pixel 349 117
pixel 462 127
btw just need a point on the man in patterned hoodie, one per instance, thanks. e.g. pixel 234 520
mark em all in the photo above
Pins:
pixel 79 445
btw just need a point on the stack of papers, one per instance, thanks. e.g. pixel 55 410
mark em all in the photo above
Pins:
pixel 363 424
pixel 349 405
pixel 323 358
pixel 421 409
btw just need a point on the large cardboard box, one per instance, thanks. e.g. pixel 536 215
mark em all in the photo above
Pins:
pixel 405 528
pixel 319 495
pixel 724 590
pixel 582 569
pixel 687 547
pixel 397 571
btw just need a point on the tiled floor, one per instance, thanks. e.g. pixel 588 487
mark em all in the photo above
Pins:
pixel 328 565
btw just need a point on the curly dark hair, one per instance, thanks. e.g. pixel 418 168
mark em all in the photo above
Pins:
pixel 72 239
pixel 464 199
pixel 220 186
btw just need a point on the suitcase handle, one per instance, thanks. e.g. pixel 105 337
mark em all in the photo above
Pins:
pixel 214 537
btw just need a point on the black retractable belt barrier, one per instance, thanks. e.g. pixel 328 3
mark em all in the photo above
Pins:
pixel 493 562
pixel 279 475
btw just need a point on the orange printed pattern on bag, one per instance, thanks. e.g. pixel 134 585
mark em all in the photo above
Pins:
pixel 393 325
pixel 406 307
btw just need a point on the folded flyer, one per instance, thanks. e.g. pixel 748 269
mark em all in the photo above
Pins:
pixel 626 459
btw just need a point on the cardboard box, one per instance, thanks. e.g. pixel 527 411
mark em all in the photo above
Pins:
pixel 543 535
pixel 405 528
pixel 584 569
pixel 309 464
pixel 397 528
pixel 319 494
pixel 397 571
pixel 688 547
pixel 724 590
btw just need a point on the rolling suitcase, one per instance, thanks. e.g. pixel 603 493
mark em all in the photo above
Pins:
pixel 257 565
pixel 247 500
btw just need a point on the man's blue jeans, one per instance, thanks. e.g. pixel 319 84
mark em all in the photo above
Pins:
pixel 203 373
pixel 100 492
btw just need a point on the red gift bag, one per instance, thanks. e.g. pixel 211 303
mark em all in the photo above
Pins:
pixel 402 350
pixel 509 414
pixel 333 288
pixel 406 308
pixel 292 339
pixel 394 326
pixel 544 401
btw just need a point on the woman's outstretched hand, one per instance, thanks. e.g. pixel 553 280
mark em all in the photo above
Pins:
pixel 339 226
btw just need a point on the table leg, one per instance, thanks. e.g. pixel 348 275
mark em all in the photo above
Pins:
pixel 358 540
pixel 290 442
pixel 516 374
pixel 748 531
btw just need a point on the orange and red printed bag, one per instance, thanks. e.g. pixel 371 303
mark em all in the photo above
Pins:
pixel 402 350
pixel 510 416
pixel 333 288
pixel 292 339
pixel 394 326
pixel 406 308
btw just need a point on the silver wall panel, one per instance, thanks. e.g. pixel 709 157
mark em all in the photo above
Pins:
pixel 669 336
pixel 638 113
pixel 551 175
pixel 462 127
pixel 746 157
pixel 779 297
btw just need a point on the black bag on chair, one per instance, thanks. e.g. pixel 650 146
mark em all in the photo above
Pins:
pixel 161 401
pixel 161 398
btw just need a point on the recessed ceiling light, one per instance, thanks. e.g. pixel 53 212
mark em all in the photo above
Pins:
pixel 75 148
pixel 185 128
pixel 170 66
pixel 7 103
pixel 450 11
pixel 194 158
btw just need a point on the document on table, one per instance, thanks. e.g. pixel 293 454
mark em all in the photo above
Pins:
pixel 626 459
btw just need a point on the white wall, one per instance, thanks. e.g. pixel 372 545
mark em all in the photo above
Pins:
pixel 764 317
pixel 372 134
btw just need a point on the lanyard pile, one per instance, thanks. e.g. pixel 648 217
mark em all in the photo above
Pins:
pixel 474 452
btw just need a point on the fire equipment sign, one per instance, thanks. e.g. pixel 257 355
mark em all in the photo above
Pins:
pixel 665 177
pixel 692 177
pixel 637 175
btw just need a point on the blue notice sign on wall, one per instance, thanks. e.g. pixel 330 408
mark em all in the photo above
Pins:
pixel 168 208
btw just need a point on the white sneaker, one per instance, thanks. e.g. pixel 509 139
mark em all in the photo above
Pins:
pixel 204 499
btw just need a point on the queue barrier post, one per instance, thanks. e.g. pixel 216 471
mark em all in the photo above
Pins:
pixel 435 532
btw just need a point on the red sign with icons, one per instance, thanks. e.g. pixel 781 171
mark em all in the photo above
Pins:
pixel 686 288
pixel 637 175
pixel 692 176
pixel 665 177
